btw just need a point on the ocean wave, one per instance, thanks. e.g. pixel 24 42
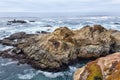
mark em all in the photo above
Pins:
pixel 3 47
pixel 26 76
pixel 38 22
pixel 8 63
pixel 72 68
pixel 51 75
pixel 31 73
pixel 3 28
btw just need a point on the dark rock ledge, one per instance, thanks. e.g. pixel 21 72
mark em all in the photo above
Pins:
pixel 55 51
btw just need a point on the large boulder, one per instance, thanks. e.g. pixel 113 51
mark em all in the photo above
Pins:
pixel 87 42
pixel 105 68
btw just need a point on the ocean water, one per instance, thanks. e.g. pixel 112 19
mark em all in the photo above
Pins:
pixel 9 70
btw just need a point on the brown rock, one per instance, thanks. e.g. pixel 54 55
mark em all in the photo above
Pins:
pixel 65 45
pixel 105 68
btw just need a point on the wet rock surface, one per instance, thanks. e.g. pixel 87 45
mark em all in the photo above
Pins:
pixel 55 51
pixel 105 68
pixel 15 39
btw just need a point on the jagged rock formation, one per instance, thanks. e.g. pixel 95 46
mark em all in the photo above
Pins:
pixel 105 68
pixel 56 50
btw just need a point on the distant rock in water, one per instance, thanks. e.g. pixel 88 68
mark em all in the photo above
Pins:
pixel 117 23
pixel 42 32
pixel 55 51
pixel 31 21
pixel 38 32
pixel 105 68
pixel 16 21
pixel 8 23
pixel 47 26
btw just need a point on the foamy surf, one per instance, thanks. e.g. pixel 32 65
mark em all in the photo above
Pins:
pixel 50 74
pixel 3 28
pixel 9 63
pixel 27 76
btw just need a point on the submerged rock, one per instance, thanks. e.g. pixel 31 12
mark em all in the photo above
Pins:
pixel 44 32
pixel 55 51
pixel 31 21
pixel 47 26
pixel 105 68
pixel 116 23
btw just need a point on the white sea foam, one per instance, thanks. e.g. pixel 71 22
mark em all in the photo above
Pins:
pixel 30 73
pixel 50 74
pixel 72 68
pixel 114 27
pixel 27 74
pixel 49 19
pixel 8 63
pixel 3 28
pixel 38 22
pixel 60 21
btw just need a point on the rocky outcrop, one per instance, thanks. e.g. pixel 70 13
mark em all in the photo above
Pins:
pixel 87 42
pixel 56 50
pixel 15 39
pixel 18 35
pixel 105 68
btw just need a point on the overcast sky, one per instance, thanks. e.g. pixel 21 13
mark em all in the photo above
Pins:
pixel 83 6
